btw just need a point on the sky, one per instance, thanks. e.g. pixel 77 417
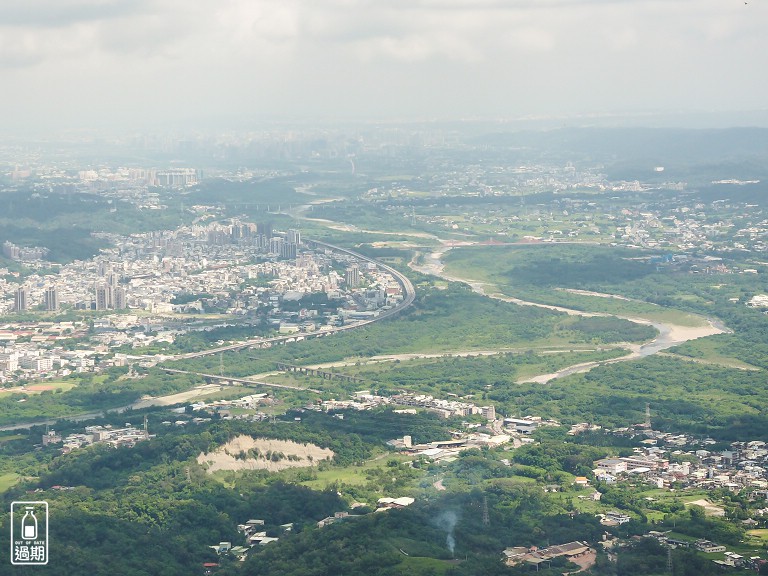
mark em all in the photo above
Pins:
pixel 145 63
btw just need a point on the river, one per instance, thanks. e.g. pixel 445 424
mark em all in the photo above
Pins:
pixel 669 335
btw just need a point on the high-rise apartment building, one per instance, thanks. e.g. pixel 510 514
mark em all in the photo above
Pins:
pixel 488 412
pixel 276 244
pixel 293 236
pixel 51 297
pixel 10 250
pixel 103 297
pixel 120 301
pixel 353 276
pixel 288 250
pixel 21 300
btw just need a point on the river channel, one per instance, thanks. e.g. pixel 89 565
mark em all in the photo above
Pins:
pixel 669 335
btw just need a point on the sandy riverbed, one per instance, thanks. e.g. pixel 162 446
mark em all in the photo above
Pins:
pixel 179 398
pixel 669 334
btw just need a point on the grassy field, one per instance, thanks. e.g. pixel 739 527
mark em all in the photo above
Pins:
pixel 352 475
pixel 545 273
pixel 41 387
pixel 323 479
pixel 8 480
pixel 424 565
pixel 10 438
pixel 587 505
pixel 440 321
pixel 433 374
pixel 758 536
pixel 661 494
pixel 710 350
pixel 715 359
pixel 652 497
pixel 446 374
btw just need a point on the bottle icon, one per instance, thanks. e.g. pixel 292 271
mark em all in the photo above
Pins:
pixel 29 524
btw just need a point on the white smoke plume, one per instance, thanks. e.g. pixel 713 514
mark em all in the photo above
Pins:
pixel 446 521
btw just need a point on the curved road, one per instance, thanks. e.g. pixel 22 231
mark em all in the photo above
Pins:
pixel 409 295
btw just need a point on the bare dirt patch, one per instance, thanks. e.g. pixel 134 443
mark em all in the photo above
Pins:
pixel 709 508
pixel 179 398
pixel 584 562
pixel 247 453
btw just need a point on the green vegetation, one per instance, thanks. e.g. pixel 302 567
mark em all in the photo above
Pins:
pixel 680 393
pixel 89 393
pixel 202 339
pixel 453 319
pixel 254 195
pixel 143 495
pixel 418 538
pixel 63 222
pixel 32 389
pixel 465 375
pixel 8 480
pixel 153 509
pixel 760 535
pixel 157 497
pixel 541 273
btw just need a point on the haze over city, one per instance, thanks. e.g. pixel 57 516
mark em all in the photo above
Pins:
pixel 71 64
pixel 393 288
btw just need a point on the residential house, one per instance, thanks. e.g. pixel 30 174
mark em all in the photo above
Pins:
pixel 709 547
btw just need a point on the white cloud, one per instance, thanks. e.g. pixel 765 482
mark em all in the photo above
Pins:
pixel 168 57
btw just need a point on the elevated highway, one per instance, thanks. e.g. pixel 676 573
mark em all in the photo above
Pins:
pixel 409 295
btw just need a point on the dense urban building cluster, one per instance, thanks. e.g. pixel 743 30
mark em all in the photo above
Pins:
pixel 150 288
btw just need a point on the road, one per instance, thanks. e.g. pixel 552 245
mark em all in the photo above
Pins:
pixel 409 295
pixel 241 381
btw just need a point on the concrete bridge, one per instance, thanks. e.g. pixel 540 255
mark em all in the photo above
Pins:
pixel 225 380
pixel 317 372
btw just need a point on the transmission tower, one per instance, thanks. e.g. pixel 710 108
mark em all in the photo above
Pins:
pixel 221 363
pixel 486 518
pixel 669 560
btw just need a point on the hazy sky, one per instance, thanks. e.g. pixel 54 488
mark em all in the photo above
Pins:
pixel 148 62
